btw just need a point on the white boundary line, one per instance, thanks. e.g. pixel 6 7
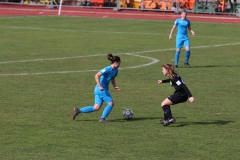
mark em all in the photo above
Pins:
pixel 153 60
pixel 104 32
pixel 64 72
pixel 132 53
pixel 222 23
pixel 51 59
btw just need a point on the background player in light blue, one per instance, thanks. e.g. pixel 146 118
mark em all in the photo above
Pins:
pixel 183 25
pixel 103 78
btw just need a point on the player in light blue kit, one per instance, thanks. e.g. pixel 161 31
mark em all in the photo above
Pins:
pixel 182 37
pixel 103 78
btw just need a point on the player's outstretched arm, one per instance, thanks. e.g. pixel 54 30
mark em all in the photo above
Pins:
pixel 191 99
pixel 114 84
pixel 97 79
pixel 190 29
pixel 159 81
pixel 171 32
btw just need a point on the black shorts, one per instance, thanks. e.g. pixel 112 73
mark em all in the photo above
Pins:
pixel 177 98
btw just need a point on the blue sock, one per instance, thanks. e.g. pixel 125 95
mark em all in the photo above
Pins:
pixel 106 111
pixel 187 56
pixel 177 57
pixel 87 109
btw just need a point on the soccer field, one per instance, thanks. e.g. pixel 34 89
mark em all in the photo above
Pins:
pixel 47 67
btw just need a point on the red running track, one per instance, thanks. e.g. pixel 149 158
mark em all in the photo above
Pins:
pixel 37 10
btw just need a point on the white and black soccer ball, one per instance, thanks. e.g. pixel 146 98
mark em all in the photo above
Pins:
pixel 127 114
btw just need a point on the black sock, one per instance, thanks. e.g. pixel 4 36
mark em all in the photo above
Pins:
pixel 165 117
pixel 167 112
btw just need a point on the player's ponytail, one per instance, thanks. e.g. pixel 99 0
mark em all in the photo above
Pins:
pixel 113 58
pixel 170 70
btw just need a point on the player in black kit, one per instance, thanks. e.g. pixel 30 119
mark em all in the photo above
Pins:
pixel 180 95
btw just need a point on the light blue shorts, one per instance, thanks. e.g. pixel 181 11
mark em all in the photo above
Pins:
pixel 101 96
pixel 182 43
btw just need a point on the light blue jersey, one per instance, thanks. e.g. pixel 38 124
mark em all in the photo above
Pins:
pixel 182 34
pixel 107 74
pixel 182 25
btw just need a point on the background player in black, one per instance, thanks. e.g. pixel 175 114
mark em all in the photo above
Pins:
pixel 180 95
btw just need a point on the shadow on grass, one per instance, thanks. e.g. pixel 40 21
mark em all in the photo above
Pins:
pixel 124 120
pixel 140 119
pixel 177 124
pixel 134 119
pixel 218 122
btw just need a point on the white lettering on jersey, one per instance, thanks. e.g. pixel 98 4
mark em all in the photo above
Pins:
pixel 178 83
pixel 103 70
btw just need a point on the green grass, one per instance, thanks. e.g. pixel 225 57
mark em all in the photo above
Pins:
pixel 43 76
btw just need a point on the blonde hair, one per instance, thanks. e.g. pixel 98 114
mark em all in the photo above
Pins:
pixel 170 70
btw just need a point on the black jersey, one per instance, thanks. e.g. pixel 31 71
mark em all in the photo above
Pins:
pixel 179 85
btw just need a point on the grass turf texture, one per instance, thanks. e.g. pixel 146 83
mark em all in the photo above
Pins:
pixel 36 107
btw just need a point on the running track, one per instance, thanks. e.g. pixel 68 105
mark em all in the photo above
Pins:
pixel 31 10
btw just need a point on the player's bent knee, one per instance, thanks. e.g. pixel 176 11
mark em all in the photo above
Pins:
pixel 111 103
pixel 163 103
pixel 96 108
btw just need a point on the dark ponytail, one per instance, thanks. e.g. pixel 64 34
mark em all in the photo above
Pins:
pixel 113 58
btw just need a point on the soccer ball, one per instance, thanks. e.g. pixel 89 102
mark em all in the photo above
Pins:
pixel 127 114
